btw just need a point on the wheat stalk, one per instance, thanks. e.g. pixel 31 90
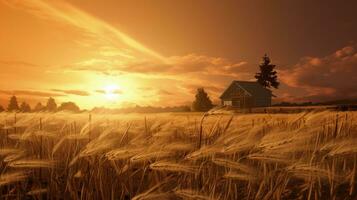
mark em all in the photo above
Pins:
pixel 12 177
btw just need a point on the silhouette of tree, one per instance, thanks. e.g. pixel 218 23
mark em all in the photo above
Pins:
pixel 25 107
pixel 69 106
pixel 39 107
pixel 267 76
pixel 51 105
pixel 13 106
pixel 202 102
pixel 2 109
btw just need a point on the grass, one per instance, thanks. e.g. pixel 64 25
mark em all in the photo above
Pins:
pixel 309 155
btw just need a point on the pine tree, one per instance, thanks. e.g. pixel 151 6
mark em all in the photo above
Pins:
pixel 267 76
pixel 13 105
pixel 202 102
pixel 25 107
pixel 51 105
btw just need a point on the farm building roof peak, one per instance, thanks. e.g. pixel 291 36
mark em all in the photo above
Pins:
pixel 252 87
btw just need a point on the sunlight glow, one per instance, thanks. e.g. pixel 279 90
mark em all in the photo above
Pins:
pixel 111 92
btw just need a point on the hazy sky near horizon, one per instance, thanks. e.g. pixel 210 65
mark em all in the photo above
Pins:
pixel 157 52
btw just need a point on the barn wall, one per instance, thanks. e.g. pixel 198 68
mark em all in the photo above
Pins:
pixel 259 99
pixel 256 101
pixel 247 102
pixel 262 100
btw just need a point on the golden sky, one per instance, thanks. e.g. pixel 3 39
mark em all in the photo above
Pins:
pixel 119 53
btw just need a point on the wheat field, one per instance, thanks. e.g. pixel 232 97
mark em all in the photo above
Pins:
pixel 310 155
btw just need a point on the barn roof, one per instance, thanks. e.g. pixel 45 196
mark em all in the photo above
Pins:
pixel 252 87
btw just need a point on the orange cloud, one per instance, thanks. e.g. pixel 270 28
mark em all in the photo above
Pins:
pixel 30 93
pixel 111 54
pixel 108 38
pixel 114 92
pixel 326 78
pixel 164 93
pixel 74 92
pixel 178 65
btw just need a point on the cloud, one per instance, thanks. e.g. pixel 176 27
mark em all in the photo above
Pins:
pixel 109 51
pixel 194 71
pixel 73 92
pixel 100 91
pixel 114 52
pixel 192 63
pixel 183 74
pixel 205 64
pixel 164 92
pixel 9 67
pixel 117 91
pixel 108 38
pixel 325 78
pixel 176 65
pixel 30 93
pixel 17 63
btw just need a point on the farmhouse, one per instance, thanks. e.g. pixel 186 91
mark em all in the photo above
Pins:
pixel 246 94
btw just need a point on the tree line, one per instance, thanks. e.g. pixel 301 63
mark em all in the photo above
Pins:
pixel 142 109
pixel 51 106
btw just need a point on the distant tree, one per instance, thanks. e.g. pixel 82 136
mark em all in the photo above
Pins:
pixel 51 105
pixel 39 107
pixel 69 106
pixel 267 76
pixel 202 102
pixel 25 107
pixel 2 109
pixel 13 105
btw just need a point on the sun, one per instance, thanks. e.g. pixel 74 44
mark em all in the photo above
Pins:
pixel 112 92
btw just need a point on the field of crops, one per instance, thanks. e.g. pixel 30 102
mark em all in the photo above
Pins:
pixel 178 156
